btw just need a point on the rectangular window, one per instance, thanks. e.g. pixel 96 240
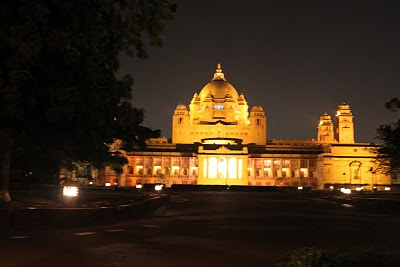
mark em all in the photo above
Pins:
pixel 240 168
pixel 267 162
pixel 313 163
pixel 277 163
pixel 258 163
pixel 285 163
pixel 130 170
pixel 303 163
pixel 295 163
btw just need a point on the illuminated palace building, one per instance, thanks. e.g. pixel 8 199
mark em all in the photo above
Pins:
pixel 216 141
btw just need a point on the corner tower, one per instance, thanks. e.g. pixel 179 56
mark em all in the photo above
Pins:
pixel 344 125
pixel 325 129
pixel 218 111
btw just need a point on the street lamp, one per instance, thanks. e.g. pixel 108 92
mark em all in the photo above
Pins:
pixel 70 195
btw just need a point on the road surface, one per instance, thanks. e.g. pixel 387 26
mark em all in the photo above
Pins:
pixel 211 229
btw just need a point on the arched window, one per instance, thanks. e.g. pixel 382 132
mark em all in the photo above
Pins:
pixel 180 120
pixel 222 168
pixel 240 168
pixel 205 168
pixel 212 168
pixel 232 168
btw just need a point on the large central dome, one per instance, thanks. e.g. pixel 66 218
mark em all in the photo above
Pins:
pixel 219 88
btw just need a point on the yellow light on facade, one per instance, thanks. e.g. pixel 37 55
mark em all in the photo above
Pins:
pixel 175 170
pixel 157 168
pixel 232 168
pixel 387 188
pixel 139 186
pixel 139 169
pixel 222 168
pixel 212 168
pixel 107 184
pixel 300 188
pixel 70 191
pixel 205 167
pixel 240 168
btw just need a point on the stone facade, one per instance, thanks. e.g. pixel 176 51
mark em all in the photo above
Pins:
pixel 215 140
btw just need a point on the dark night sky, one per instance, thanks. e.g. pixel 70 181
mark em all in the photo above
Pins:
pixel 297 59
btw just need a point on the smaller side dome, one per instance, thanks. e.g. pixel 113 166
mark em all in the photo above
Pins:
pixel 181 107
pixel 257 108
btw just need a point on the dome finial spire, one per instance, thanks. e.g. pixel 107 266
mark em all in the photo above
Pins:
pixel 219 70
pixel 219 75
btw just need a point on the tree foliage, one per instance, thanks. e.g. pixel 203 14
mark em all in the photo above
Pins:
pixel 59 90
pixel 317 257
pixel 388 160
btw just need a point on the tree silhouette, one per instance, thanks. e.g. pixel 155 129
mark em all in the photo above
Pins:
pixel 388 160
pixel 59 90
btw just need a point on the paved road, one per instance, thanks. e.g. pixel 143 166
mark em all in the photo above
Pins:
pixel 211 229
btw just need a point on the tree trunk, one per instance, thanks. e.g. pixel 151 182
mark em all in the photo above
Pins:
pixel 56 181
pixel 7 138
